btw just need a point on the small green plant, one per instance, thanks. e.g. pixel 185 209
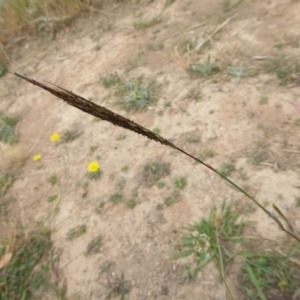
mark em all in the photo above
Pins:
pixel 159 206
pixel 143 24
pixel 119 287
pixel 161 185
pixel 52 198
pixel 3 69
pixel 76 232
pixel 121 137
pixel 214 238
pixel 94 245
pixel 170 200
pixel 7 129
pixel 298 122
pixel 180 183
pixel 137 95
pixel 153 172
pixel 187 274
pixel 105 266
pixel 6 180
pixel 111 80
pixel 193 138
pixel 53 179
pixel 28 272
pixel 125 169
pixel 156 130
pixel 263 100
pixel 131 203
pixel 167 104
pixel 115 198
pixel 194 94
pixel 239 73
pixel 227 169
pixel 267 273
pixel 69 136
pixel 204 70
pixel 298 202
pixel 257 159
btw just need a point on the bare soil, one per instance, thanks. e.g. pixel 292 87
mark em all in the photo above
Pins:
pixel 229 119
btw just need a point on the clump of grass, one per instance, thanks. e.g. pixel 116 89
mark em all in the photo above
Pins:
pixel 115 198
pixel 52 198
pixel 131 203
pixel 170 200
pixel 193 138
pixel 180 183
pixel 137 94
pixel 94 245
pixel 53 179
pixel 76 232
pixel 143 24
pixel 214 238
pixel 111 80
pixel 7 129
pixel 239 73
pixel 161 185
pixel 28 273
pixel 266 274
pixel 121 137
pixel 263 100
pixel 227 169
pixel 257 159
pixel 70 135
pixel 119 287
pixel 6 180
pixel 153 172
pixel 3 69
pixel 203 70
pixel 286 71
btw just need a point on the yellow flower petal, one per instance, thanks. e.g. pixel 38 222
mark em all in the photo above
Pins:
pixel 93 167
pixel 54 137
pixel 37 157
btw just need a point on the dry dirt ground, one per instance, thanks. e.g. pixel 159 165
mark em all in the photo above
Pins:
pixel 248 121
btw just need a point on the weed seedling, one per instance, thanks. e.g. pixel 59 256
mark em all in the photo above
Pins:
pixel 142 24
pixel 3 69
pixel 180 183
pixel 156 130
pixel 111 80
pixel 69 136
pixel 6 182
pixel 298 122
pixel 203 70
pixel 161 185
pixel 53 179
pixel 137 95
pixel 76 232
pixel 119 287
pixel 121 137
pixel 7 129
pixel 115 198
pixel 153 172
pixel 94 245
pixel 169 201
pixel 263 100
pixel 52 198
pixel 227 169
pixel 131 203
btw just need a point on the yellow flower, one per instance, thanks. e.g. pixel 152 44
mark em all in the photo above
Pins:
pixel 37 157
pixel 54 137
pixel 94 167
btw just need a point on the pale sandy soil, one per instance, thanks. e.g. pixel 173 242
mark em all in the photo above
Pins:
pixel 229 120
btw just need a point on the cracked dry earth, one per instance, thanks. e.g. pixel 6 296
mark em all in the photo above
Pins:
pixel 229 119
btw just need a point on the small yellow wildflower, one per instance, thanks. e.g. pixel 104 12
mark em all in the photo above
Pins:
pixel 55 137
pixel 94 167
pixel 37 157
